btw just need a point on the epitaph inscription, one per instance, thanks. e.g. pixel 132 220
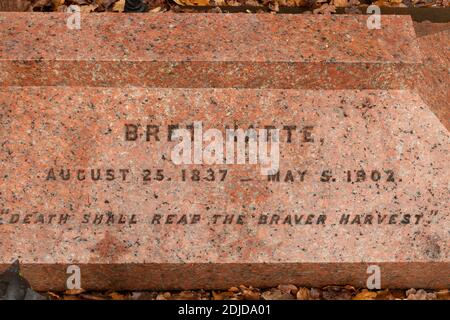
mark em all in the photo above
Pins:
pixel 88 176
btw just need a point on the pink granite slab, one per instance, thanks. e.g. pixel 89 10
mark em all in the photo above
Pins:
pixel 433 83
pixel 397 218
pixel 207 50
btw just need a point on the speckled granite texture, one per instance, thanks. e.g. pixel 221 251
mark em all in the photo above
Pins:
pixel 207 50
pixel 321 227
pixel 434 81
pixel 372 186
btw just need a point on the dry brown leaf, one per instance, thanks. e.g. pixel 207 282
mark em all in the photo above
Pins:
pixel 143 295
pixel 56 4
pixel 274 6
pixel 336 293
pixel 350 288
pixel 161 297
pixel 248 294
pixel 233 289
pixel 217 296
pixel 226 295
pixel 443 294
pixel 186 295
pixel 72 292
pixel 385 295
pixel 296 3
pixel 325 9
pixel 88 8
pixel 398 294
pixel 192 2
pixel 340 3
pixel 365 295
pixel 315 293
pixel 41 3
pixel 117 296
pixel 303 294
pixel 54 295
pixel 71 298
pixel 15 5
pixel 276 294
pixel 154 10
pixel 420 294
pixel 288 288
pixel 119 6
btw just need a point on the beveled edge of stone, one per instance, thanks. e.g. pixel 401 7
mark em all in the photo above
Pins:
pixel 433 81
pixel 174 37
pixel 209 276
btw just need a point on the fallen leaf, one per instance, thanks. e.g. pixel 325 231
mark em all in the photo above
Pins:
pixel 276 294
pixel 303 294
pixel 72 298
pixel 315 293
pixel 296 3
pixel 420 294
pixel 186 295
pixel 249 294
pixel 53 295
pixel 161 297
pixel 385 295
pixel 15 5
pixel 157 9
pixel 325 9
pixel 217 296
pixel 274 6
pixel 104 4
pixel 117 296
pixel 39 4
pixel 288 288
pixel 56 4
pixel 350 288
pixel 226 295
pixel 119 6
pixel 143 295
pixel 88 8
pixel 340 3
pixel 192 2
pixel 336 293
pixel 398 294
pixel 443 294
pixel 365 295
pixel 72 292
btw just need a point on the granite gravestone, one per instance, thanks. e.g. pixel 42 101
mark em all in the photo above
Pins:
pixel 88 175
